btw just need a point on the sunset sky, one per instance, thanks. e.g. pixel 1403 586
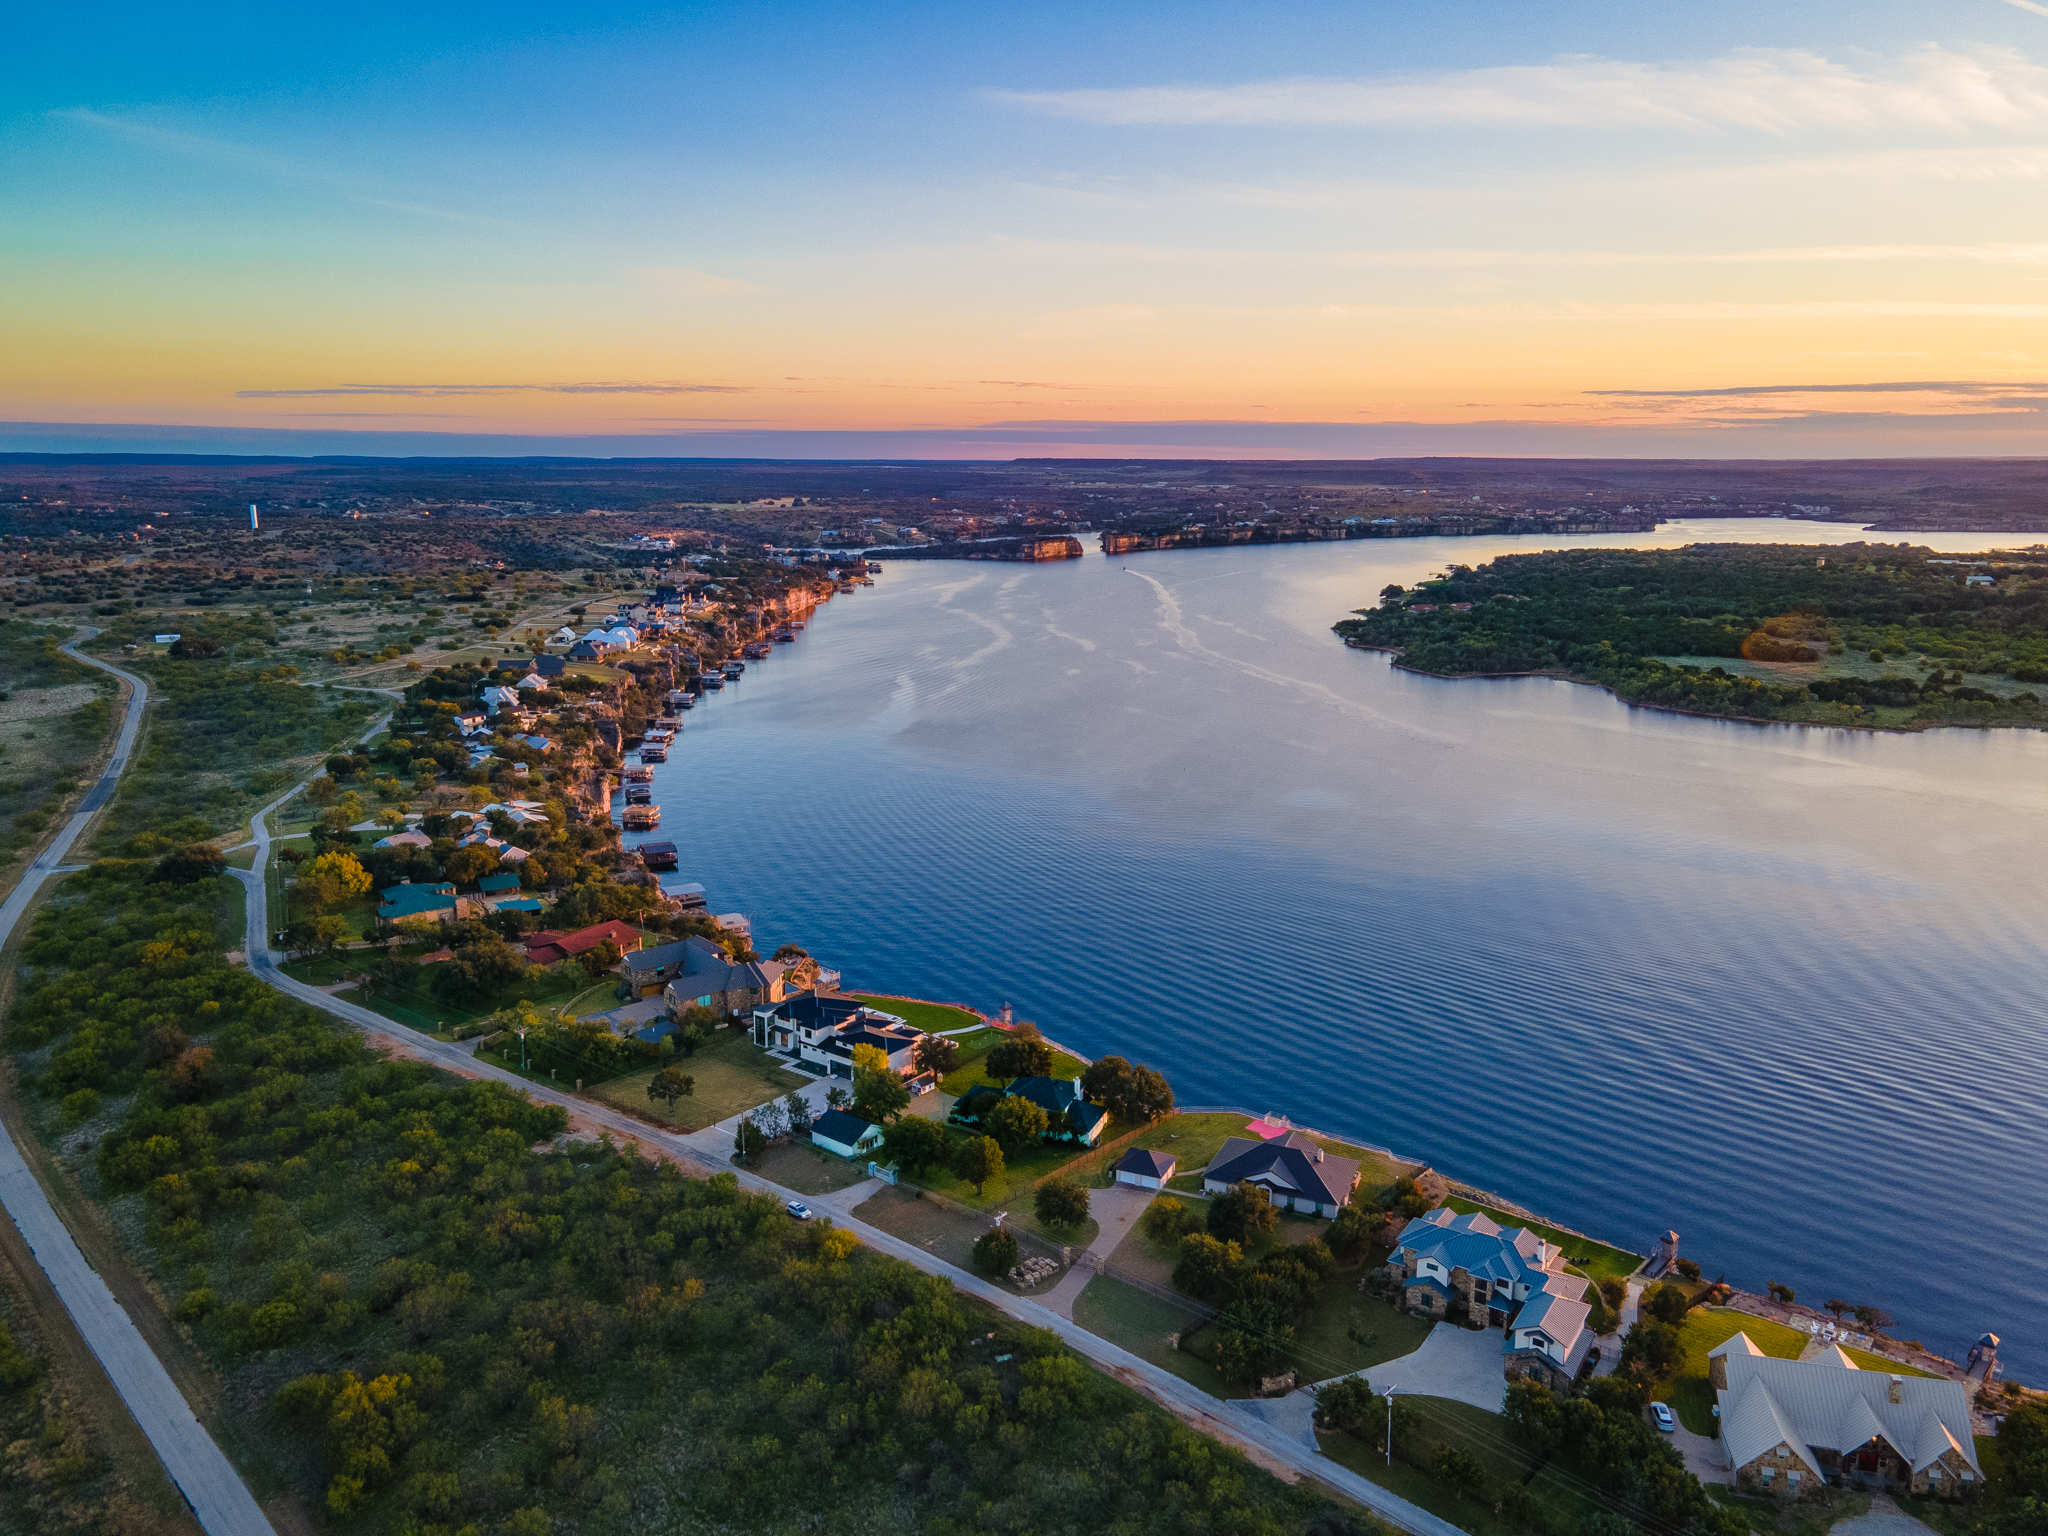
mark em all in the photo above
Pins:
pixel 1746 229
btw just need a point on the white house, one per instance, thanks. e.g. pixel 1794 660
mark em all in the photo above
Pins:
pixel 1145 1169
pixel 847 1135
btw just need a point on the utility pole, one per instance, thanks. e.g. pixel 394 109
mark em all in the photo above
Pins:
pixel 1390 1426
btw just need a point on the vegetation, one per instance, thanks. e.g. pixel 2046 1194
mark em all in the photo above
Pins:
pixel 1596 1261
pixel 54 715
pixel 1608 616
pixel 1704 1330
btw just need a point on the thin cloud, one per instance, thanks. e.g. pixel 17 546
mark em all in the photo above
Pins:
pixel 436 391
pixel 1082 252
pixel 1978 387
pixel 2029 5
pixel 1766 90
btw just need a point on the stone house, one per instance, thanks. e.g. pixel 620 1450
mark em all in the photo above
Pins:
pixel 1791 1427
pixel 1293 1169
pixel 1466 1265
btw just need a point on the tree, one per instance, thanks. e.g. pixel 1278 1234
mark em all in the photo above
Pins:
pixel 1459 1470
pixel 914 1144
pixel 978 1161
pixel 345 869
pixel 837 1097
pixel 328 934
pixel 1135 1094
pixel 796 1109
pixel 387 978
pixel 1653 1346
pixel 1240 1211
pixel 748 1141
pixel 879 1093
pixel 670 1084
pixel 1021 1053
pixel 1781 1293
pixel 1015 1124
pixel 995 1251
pixel 1060 1202
pixel 1207 1267
pixel 1351 1235
pixel 481 971
pixel 790 952
pixel 600 958
pixel 936 1054
pixel 1876 1319
pixel 466 866
pixel 1667 1303
pixel 2023 1450
pixel 1166 1220
pixel 196 861
pixel 1252 1337
pixel 322 791
pixel 1392 592
pixel 1836 1305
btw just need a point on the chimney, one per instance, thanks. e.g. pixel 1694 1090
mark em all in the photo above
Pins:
pixel 1897 1390
pixel 1319 1154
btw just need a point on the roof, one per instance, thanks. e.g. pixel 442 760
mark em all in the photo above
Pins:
pixel 1153 1165
pixel 1482 1247
pixel 846 1129
pixel 498 883
pixel 403 901
pixel 1555 1307
pixel 624 935
pixel 406 839
pixel 1831 1405
pixel 1291 1161
pixel 1060 1095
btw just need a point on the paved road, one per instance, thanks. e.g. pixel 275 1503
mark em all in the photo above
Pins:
pixel 1212 1415
pixel 207 1479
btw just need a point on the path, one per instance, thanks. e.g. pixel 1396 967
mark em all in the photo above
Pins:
pixel 1116 1210
pixel 218 1496
pixel 1267 1444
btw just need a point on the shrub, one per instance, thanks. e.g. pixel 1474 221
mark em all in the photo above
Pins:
pixel 995 1251
pixel 1060 1202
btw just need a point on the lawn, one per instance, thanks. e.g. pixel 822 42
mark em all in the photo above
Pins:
pixel 1707 1329
pixel 1797 1517
pixel 1139 1320
pixel 1020 1173
pixel 732 1076
pixel 949 1232
pixel 1596 1261
pixel 1323 1346
pixel 932 1018
pixel 805 1168
pixel 1565 1500
pixel 975 1048
pixel 1865 1360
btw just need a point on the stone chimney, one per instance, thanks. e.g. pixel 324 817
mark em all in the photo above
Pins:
pixel 1897 1390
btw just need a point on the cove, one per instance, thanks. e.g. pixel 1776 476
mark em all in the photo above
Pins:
pixel 1779 988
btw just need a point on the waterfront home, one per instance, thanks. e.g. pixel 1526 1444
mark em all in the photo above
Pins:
pixel 707 978
pixel 405 839
pixel 1145 1169
pixel 845 1134
pixel 818 1032
pixel 437 900
pixel 1057 1096
pixel 650 970
pixel 548 666
pixel 1498 1277
pixel 1790 1427
pixel 1293 1170
pixel 548 946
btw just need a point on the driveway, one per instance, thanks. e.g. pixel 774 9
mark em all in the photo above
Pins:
pixel 1462 1364
pixel 1885 1519
pixel 1116 1210
pixel 1704 1458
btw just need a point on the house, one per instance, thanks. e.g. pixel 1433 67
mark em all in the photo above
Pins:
pixel 709 979
pixel 1790 1427
pixel 532 681
pixel 1145 1169
pixel 405 839
pixel 583 650
pixel 548 946
pixel 1295 1171
pixel 494 885
pixel 846 1134
pixel 1055 1095
pixel 818 1031
pixel 648 971
pixel 547 666
pixel 396 903
pixel 1498 1277
pixel 470 721
pixel 539 744
pixel 562 636
pixel 497 698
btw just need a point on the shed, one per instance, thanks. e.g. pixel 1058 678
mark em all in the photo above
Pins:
pixel 846 1134
pixel 1146 1169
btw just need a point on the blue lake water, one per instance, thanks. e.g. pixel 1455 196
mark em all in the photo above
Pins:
pixel 1780 989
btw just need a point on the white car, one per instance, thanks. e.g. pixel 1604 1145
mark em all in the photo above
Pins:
pixel 799 1210
pixel 1661 1412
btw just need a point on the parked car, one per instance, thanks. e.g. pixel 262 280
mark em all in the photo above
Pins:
pixel 1661 1412
pixel 802 1212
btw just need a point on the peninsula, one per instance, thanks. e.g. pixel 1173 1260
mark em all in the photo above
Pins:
pixel 1877 636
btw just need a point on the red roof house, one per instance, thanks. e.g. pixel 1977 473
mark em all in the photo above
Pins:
pixel 548 946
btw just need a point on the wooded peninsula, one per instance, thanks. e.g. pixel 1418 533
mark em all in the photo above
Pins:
pixel 1878 636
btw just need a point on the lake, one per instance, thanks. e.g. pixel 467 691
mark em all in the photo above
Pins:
pixel 1779 988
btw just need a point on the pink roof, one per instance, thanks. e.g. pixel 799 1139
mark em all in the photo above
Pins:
pixel 1266 1130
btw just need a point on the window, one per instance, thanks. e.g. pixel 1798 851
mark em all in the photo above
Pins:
pixel 1769 1473
pixel 1793 1479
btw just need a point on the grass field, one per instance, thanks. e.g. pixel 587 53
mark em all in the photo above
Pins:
pixel 1865 1360
pixel 1565 1501
pixel 932 1018
pixel 808 1169
pixel 1800 1517
pixel 732 1076
pixel 948 1232
pixel 1323 1346
pixel 974 1051
pixel 1139 1320
pixel 1707 1329
pixel 1596 1261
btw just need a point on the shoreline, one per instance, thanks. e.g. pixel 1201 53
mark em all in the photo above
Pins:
pixel 1398 654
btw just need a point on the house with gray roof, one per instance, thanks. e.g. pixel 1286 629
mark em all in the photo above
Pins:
pixel 701 973
pixel 1790 1427
pixel 1491 1276
pixel 1295 1171
pixel 1145 1168
pixel 1057 1096
pixel 845 1134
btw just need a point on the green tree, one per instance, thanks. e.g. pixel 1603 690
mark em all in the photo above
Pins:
pixel 1352 1234
pixel 1653 1347
pixel 1060 1202
pixel 1167 1220
pixel 1021 1053
pixel 2023 1450
pixel 1666 1303
pixel 995 1251
pixel 879 1093
pixel 1134 1094
pixel 836 1097
pixel 329 934
pixel 1459 1470
pixel 1015 1124
pixel 670 1084
pixel 915 1143
pixel 466 866
pixel 978 1161
pixel 1208 1267
pixel 600 958
pixel 936 1054
pixel 796 1109
pixel 1239 1212
pixel 749 1141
